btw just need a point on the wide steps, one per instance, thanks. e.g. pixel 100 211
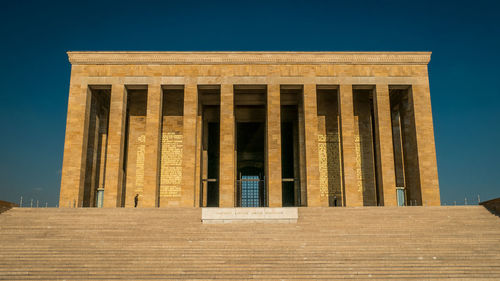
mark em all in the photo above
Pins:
pixel 414 243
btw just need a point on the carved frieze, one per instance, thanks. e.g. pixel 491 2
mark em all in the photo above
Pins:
pixel 213 58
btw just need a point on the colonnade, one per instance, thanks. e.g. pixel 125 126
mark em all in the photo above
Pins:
pixel 111 187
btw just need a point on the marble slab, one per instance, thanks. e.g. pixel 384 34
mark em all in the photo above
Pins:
pixel 246 215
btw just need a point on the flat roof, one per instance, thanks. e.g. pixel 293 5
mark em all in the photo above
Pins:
pixel 235 58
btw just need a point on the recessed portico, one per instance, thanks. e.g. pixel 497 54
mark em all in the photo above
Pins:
pixel 249 130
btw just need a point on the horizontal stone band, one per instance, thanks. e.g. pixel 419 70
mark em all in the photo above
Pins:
pixel 211 58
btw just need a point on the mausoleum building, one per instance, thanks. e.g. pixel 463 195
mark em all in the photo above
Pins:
pixel 249 129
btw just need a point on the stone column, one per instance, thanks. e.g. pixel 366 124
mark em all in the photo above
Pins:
pixel 75 144
pixel 353 192
pixel 273 149
pixel 311 147
pixel 384 147
pixel 227 146
pixel 113 185
pixel 429 183
pixel 152 150
pixel 189 145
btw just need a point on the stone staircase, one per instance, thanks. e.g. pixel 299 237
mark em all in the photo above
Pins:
pixel 418 243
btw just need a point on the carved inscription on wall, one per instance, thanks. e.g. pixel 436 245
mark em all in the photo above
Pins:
pixel 171 161
pixel 365 161
pixel 139 166
pixel 359 171
pixel 329 165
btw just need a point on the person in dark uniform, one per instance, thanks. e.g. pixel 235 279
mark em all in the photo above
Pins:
pixel 136 200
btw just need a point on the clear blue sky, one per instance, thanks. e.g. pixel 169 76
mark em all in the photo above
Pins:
pixel 464 70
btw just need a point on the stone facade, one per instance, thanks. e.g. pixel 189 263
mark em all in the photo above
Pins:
pixel 186 129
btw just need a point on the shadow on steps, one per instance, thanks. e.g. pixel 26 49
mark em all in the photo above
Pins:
pixel 493 206
pixel 5 206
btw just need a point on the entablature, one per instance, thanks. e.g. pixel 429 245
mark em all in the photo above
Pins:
pixel 244 58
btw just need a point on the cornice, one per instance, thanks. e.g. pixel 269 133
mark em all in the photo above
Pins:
pixel 272 58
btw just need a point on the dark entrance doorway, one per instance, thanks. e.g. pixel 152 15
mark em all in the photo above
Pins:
pixel 213 165
pixel 251 191
pixel 250 164
pixel 292 146
pixel 287 164
pixel 209 103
